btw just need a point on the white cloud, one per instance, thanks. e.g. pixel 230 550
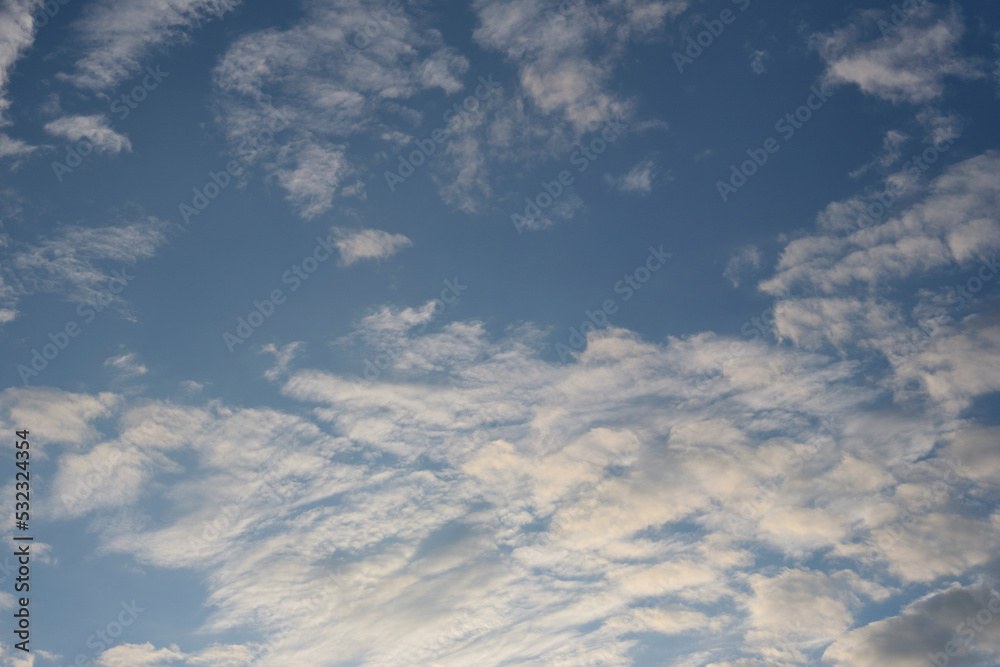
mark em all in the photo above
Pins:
pixel 332 91
pixel 638 180
pixel 938 544
pixel 312 176
pixel 480 504
pixel 17 33
pixel 757 59
pixel 464 178
pixel 96 129
pixel 138 655
pixel 192 387
pixel 974 447
pixel 797 610
pixel 543 511
pixel 908 64
pixel 956 364
pixel 890 154
pixel 953 225
pixel 222 655
pixel 388 324
pixel 126 366
pixel 940 126
pixel 282 357
pixel 329 90
pixel 72 262
pixel 14 147
pixel 566 55
pixel 67 417
pixel 840 289
pixel 109 475
pixel 116 35
pixel 355 246
pixel 813 323
pixel 553 47
pixel 743 260
pixel 14 657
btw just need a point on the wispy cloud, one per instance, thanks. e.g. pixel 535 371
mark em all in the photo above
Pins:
pixel 96 129
pixel 14 147
pixel 311 172
pixel 638 180
pixel 283 356
pixel 892 144
pixel 742 261
pixel 83 264
pixel 757 59
pixel 355 246
pixel 17 33
pixel 909 64
pixel 126 366
pixel 116 35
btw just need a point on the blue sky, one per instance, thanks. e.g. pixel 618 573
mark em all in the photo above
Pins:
pixel 642 332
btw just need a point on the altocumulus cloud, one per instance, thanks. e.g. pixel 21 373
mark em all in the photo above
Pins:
pixel 822 490
pixel 570 506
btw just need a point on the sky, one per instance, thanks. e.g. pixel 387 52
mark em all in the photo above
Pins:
pixel 521 332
